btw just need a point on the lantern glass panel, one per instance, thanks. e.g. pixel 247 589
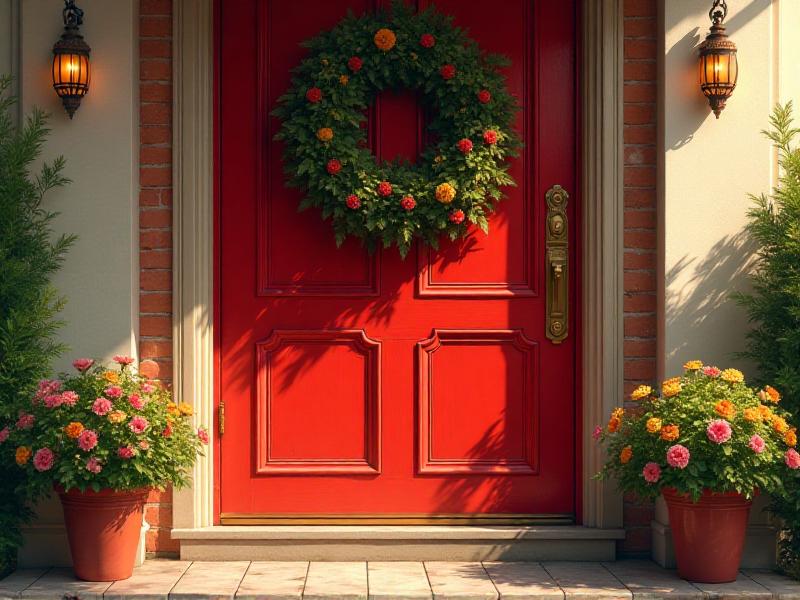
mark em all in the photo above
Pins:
pixel 71 73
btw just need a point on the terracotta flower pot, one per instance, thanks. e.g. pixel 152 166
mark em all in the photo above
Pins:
pixel 103 531
pixel 708 535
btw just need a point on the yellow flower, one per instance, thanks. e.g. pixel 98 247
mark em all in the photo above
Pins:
pixel 671 387
pixel 22 455
pixel 616 420
pixel 438 159
pixel 732 376
pixel 325 134
pixel 116 416
pixel 765 412
pixel 752 414
pixel 693 365
pixel 653 425
pixel 643 391
pixel 74 429
pixel 725 408
pixel 385 39
pixel 670 433
pixel 172 409
pixel 445 193
pixel 790 437
pixel 111 376
pixel 779 424
pixel 185 409
pixel 625 455
pixel 343 79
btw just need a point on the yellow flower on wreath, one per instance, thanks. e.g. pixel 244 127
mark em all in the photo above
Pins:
pixel 752 414
pixel 186 409
pixel 445 193
pixel 325 134
pixel 616 420
pixel 385 39
pixel 117 416
pixel 670 433
pixel 732 376
pixel 22 455
pixel 643 391
pixel 693 365
pixel 671 387
pixel 790 437
pixel 726 409
pixel 343 79
pixel 653 425
pixel 625 455
pixel 111 376
pixel 74 429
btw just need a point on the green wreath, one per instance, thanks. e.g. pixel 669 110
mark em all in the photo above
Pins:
pixel 458 177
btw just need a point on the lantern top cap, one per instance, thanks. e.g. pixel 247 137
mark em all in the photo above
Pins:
pixel 718 12
pixel 73 16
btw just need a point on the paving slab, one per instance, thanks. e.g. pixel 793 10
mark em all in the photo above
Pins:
pixel 743 588
pixel 781 587
pixel 398 581
pixel 207 580
pixel 460 581
pixel 273 581
pixel 11 586
pixel 154 580
pixel 648 581
pixel 57 584
pixel 523 581
pixel 336 580
pixel 587 581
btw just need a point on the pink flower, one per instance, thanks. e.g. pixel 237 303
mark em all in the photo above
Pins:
pixel 43 459
pixel 69 398
pixel 792 458
pixel 757 444
pixel 101 406
pixel 114 391
pixel 408 202
pixel 123 360
pixel 82 364
pixel 25 421
pixel 353 202
pixel 651 472
pixel 385 188
pixel 46 388
pixel 167 431
pixel 93 465
pixel 202 434
pixel 447 71
pixel 719 431
pixel 464 145
pixel 354 64
pixel 484 96
pixel 148 388
pixel 490 137
pixel 144 445
pixel 678 456
pixel 427 40
pixel 126 452
pixel 711 371
pixel 87 440
pixel 598 431
pixel 53 400
pixel 456 216
pixel 136 401
pixel 138 425
pixel 4 434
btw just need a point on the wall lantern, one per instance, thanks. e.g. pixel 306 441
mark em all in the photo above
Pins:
pixel 71 60
pixel 718 66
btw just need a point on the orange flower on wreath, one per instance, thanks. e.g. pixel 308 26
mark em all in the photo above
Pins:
pixel 625 455
pixel 445 193
pixel 22 455
pixel 74 429
pixel 726 409
pixel 670 433
pixel 385 39
pixel 324 134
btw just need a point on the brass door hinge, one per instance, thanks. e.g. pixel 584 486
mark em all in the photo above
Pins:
pixel 221 418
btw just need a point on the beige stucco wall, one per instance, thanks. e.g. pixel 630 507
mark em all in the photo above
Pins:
pixel 100 275
pixel 709 167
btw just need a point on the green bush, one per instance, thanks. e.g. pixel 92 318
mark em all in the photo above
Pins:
pixel 774 304
pixel 29 255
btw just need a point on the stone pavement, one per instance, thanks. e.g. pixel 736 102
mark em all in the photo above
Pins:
pixel 243 580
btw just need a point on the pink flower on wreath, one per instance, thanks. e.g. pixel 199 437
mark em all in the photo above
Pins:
pixel 113 391
pixel 136 401
pixel 148 388
pixel 126 452
pixel 353 202
pixel 427 40
pixel 202 435
pixel 333 167
pixel 47 387
pixel 792 459
pixel 123 360
pixel 69 398
pixel 651 472
pixel 490 137
pixel 719 431
pixel 457 216
pixel 87 440
pixel 53 400
pixel 711 371
pixel 464 145
pixel 408 202
pixel 93 465
pixel 355 64
pixel 598 431
pixel 144 445
pixel 82 364
pixel 385 188
pixel 757 444
pixel 678 456
pixel 484 96
pixel 43 459
pixel 25 421
pixel 101 406
pixel 447 71
pixel 4 434
pixel 138 425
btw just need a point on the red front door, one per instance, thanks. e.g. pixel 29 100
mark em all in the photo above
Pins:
pixel 371 386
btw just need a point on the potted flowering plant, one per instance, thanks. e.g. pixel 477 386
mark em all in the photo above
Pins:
pixel 708 443
pixel 103 438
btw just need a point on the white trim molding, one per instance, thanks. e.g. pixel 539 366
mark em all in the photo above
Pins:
pixel 602 200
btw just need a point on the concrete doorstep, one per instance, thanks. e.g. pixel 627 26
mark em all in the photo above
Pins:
pixel 244 580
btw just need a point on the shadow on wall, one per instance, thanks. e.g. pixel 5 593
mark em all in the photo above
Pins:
pixel 698 301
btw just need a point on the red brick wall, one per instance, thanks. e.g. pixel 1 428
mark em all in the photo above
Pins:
pixel 639 99
pixel 155 221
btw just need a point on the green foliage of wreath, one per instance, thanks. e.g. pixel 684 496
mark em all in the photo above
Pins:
pixel 459 176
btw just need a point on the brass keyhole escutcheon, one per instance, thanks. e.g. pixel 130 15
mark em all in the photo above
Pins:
pixel 557 264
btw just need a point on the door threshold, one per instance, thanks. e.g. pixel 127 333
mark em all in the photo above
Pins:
pixel 394 519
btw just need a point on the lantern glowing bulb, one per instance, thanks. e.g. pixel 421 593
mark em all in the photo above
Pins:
pixel 719 68
pixel 71 70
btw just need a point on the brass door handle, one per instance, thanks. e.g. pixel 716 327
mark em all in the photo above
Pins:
pixel 557 260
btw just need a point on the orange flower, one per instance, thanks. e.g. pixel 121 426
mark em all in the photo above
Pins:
pixel 671 387
pixel 643 391
pixel 670 433
pixel 185 409
pixel 385 39
pixel 616 420
pixel 725 408
pixel 732 376
pixel 172 409
pixel 752 414
pixel 653 425
pixel 765 412
pixel 693 365
pixel 74 429
pixel 343 79
pixel 111 376
pixel 445 193
pixel 22 455
pixel 779 424
pixel 116 416
pixel 325 134
pixel 772 394
pixel 625 455
pixel 790 437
